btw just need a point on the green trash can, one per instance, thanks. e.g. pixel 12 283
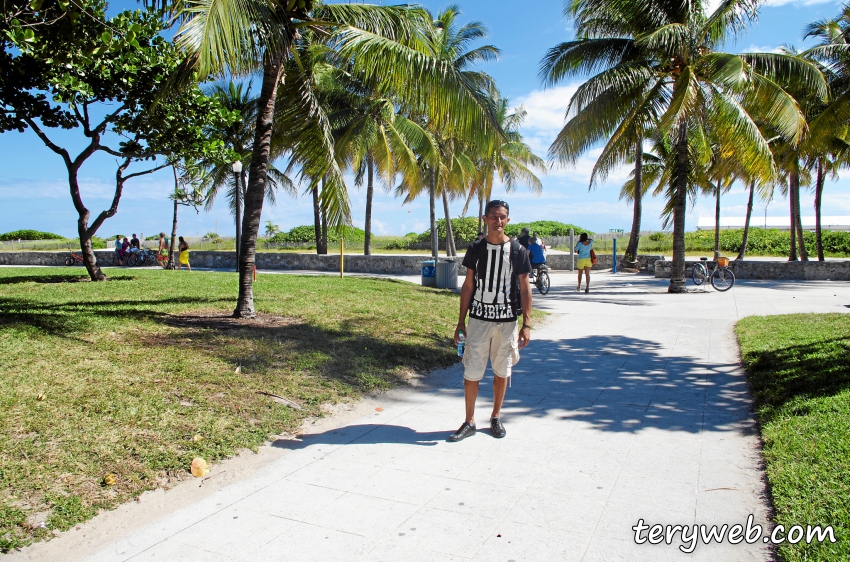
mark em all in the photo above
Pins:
pixel 447 274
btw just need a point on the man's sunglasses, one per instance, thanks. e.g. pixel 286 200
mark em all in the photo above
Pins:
pixel 497 203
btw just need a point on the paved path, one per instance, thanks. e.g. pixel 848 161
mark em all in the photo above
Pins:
pixel 628 404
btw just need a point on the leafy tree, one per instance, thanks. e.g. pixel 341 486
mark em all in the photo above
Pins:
pixel 254 35
pixel 66 65
pixel 657 64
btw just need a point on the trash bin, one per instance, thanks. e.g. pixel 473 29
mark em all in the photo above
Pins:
pixel 429 274
pixel 447 274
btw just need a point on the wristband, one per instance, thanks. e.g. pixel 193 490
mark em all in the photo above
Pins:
pixel 526 326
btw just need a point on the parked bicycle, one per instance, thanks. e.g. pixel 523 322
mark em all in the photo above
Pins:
pixel 540 278
pixel 141 257
pixel 73 259
pixel 721 276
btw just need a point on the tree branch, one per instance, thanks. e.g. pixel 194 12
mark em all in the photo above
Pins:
pixel 119 188
pixel 49 143
pixel 152 170
pixel 101 128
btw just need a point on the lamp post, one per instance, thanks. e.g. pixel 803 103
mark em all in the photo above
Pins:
pixel 237 171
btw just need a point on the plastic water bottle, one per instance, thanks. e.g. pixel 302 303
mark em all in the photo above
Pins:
pixel 461 344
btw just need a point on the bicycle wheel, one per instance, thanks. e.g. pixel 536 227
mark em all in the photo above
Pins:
pixel 70 261
pixel 132 260
pixel 699 274
pixel 722 279
pixel 150 259
pixel 543 282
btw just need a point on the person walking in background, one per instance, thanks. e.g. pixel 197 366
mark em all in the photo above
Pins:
pixel 494 294
pixel 163 244
pixel 584 263
pixel 537 254
pixel 183 257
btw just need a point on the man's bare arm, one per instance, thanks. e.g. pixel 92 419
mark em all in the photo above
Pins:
pixel 466 291
pixel 525 329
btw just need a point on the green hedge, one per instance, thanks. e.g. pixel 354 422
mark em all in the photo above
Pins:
pixel 546 228
pixel 760 241
pixel 28 234
pixel 307 233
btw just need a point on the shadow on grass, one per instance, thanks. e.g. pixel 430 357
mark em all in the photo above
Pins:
pixel 80 277
pixel 783 375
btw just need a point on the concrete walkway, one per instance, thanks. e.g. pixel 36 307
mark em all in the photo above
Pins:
pixel 628 404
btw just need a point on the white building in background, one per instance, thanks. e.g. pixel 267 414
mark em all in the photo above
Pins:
pixel 781 223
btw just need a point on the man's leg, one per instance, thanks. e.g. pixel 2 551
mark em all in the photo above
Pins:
pixel 470 393
pixel 500 386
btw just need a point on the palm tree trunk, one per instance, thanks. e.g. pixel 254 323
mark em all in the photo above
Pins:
pixel 798 222
pixel 743 250
pixel 792 177
pixel 717 221
pixel 172 251
pixel 818 202
pixel 450 239
pixel 634 237
pixel 480 211
pixel 257 178
pixel 317 219
pixel 432 187
pixel 677 277
pixel 324 241
pixel 370 192
pixel 240 197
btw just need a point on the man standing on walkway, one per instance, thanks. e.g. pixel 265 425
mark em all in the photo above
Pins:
pixel 495 292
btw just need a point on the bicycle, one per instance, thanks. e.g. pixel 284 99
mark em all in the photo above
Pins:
pixel 540 278
pixel 73 259
pixel 722 278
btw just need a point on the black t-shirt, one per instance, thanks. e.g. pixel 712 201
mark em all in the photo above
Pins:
pixel 524 240
pixel 134 243
pixel 497 266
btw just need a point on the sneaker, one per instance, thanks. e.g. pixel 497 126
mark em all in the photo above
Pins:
pixel 587 289
pixel 496 428
pixel 466 430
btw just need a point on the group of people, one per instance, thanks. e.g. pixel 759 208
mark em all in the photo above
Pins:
pixel 494 295
pixel 124 247
pixel 537 253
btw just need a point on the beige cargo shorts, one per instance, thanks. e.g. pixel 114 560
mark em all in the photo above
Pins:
pixel 493 341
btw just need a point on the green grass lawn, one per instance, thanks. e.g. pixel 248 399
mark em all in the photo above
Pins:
pixel 799 369
pixel 138 375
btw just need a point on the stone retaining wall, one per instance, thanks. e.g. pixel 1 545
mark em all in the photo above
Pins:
pixel 354 263
pixel 809 271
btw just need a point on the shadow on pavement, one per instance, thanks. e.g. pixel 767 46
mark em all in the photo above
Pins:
pixel 610 383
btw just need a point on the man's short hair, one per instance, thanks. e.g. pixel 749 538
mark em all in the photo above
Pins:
pixel 525 229
pixel 497 203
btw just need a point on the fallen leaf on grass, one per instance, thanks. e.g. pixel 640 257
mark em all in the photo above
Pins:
pixel 281 400
pixel 238 369
pixel 197 437
pixel 40 397
pixel 199 467
pixel 109 480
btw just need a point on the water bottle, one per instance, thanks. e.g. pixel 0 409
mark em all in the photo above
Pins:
pixel 461 344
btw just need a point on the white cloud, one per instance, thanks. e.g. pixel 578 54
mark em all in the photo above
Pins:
pixel 762 49
pixel 777 3
pixel 546 110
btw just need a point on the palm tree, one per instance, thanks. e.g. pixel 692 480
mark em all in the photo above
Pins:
pixel 507 157
pixel 238 137
pixel 829 134
pixel 380 42
pixel 376 138
pixel 658 66
pixel 447 44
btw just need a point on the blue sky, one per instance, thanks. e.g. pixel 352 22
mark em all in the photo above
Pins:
pixel 34 189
